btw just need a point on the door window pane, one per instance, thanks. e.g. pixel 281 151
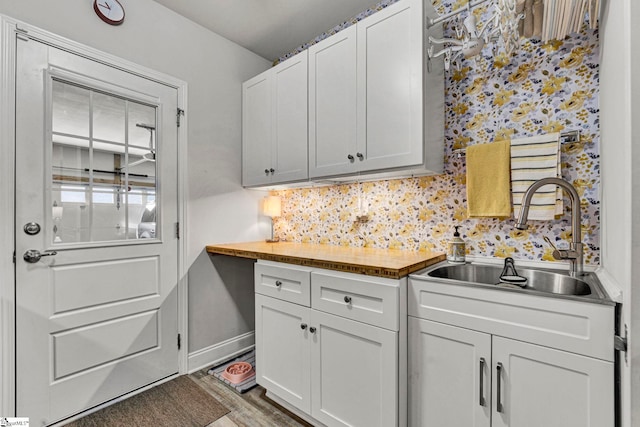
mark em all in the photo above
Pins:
pixel 108 117
pixel 103 166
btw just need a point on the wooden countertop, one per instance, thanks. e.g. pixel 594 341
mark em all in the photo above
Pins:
pixel 391 263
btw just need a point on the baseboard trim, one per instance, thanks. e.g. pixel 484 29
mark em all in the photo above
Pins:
pixel 220 352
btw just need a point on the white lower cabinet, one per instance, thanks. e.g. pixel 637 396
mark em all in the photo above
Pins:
pixel 353 372
pixel 460 377
pixel 469 365
pixel 283 350
pixel 539 386
pixel 449 376
pixel 336 368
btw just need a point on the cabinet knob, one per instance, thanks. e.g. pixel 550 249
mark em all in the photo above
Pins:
pixel 272 170
pixel 360 156
pixel 278 283
pixel 266 171
pixel 312 330
pixel 347 300
pixel 350 157
pixel 303 326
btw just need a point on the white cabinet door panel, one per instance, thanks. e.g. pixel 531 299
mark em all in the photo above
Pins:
pixel 354 373
pixel 290 145
pixel 449 376
pixel 256 130
pixel 333 105
pixel 390 122
pixel 282 350
pixel 540 386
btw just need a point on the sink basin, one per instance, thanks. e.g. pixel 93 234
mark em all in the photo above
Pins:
pixel 539 281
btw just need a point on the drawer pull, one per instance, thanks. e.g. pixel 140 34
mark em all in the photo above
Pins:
pixel 482 399
pixel 347 300
pixel 278 283
pixel 303 326
pixel 312 330
pixel 499 407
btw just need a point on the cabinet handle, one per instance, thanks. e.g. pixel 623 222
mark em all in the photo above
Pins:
pixel 272 170
pixel 347 300
pixel 303 326
pixel 499 407
pixel 266 171
pixel 350 157
pixel 312 330
pixel 482 399
pixel 278 283
pixel 360 156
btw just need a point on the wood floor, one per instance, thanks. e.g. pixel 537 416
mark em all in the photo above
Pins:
pixel 250 409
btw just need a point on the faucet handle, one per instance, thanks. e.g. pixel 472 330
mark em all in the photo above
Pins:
pixel 561 254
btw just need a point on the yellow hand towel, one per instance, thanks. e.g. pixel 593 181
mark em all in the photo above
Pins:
pixel 488 177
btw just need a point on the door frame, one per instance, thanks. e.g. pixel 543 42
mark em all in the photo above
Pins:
pixel 10 30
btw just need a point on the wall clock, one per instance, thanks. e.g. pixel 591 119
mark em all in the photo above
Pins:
pixel 110 11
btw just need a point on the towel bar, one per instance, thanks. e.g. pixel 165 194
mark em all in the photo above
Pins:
pixel 565 138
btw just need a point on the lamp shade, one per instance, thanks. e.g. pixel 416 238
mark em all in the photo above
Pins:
pixel 272 206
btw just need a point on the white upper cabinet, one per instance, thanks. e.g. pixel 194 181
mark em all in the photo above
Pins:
pixel 390 85
pixel 333 105
pixel 256 130
pixel 373 108
pixel 274 125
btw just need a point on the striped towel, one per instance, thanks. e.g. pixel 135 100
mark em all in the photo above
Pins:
pixel 532 159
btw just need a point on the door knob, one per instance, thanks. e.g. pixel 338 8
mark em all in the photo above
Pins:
pixel 32 256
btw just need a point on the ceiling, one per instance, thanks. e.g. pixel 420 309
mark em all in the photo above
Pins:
pixel 269 28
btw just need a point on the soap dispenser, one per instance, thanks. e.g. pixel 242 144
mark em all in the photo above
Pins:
pixel 456 248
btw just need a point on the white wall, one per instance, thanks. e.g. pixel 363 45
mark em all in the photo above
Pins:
pixel 219 210
pixel 620 121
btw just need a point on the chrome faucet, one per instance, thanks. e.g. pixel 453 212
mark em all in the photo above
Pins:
pixel 575 252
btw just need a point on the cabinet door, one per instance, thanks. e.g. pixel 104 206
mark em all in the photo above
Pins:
pixel 390 87
pixel 290 144
pixel 282 350
pixel 332 105
pixel 539 386
pixel 449 375
pixel 256 130
pixel 354 373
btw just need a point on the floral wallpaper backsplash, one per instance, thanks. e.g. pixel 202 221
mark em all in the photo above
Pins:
pixel 545 87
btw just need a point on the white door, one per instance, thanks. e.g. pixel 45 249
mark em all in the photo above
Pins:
pixel 538 386
pixel 282 350
pixel 449 375
pixel 96 195
pixel 354 373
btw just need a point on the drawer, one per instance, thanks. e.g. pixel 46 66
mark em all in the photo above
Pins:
pixel 367 299
pixel 574 326
pixel 284 282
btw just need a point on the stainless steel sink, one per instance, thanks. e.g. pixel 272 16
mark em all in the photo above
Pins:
pixel 553 283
